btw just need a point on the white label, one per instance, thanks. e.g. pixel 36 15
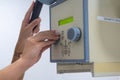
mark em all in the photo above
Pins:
pixel 108 19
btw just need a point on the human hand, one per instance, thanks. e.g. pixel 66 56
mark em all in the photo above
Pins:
pixel 27 30
pixel 35 45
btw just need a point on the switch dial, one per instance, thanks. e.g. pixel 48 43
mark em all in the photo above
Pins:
pixel 74 34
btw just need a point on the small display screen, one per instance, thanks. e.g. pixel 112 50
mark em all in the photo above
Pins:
pixel 65 21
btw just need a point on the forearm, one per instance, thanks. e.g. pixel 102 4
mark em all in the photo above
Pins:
pixel 15 70
pixel 16 56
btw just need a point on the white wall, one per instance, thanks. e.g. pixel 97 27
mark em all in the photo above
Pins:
pixel 11 15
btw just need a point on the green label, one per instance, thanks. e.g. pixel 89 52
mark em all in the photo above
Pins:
pixel 66 21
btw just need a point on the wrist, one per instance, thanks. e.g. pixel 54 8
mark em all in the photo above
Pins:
pixel 19 46
pixel 16 56
pixel 18 50
pixel 25 63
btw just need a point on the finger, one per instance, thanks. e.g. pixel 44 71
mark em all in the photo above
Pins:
pixel 49 35
pixel 28 14
pixel 36 29
pixel 44 33
pixel 45 45
pixel 45 48
pixel 33 24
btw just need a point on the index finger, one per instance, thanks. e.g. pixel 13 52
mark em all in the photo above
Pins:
pixel 28 14
pixel 49 35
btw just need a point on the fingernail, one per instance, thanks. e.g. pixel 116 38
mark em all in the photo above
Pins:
pixel 37 20
pixel 57 32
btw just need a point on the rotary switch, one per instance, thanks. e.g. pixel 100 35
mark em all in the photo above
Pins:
pixel 74 34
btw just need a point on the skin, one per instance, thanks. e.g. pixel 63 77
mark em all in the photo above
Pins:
pixel 25 32
pixel 29 48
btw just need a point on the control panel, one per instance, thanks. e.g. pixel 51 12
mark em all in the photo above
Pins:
pixel 70 25
pixel 88 36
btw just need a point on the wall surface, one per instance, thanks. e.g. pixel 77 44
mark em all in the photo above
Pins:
pixel 11 15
